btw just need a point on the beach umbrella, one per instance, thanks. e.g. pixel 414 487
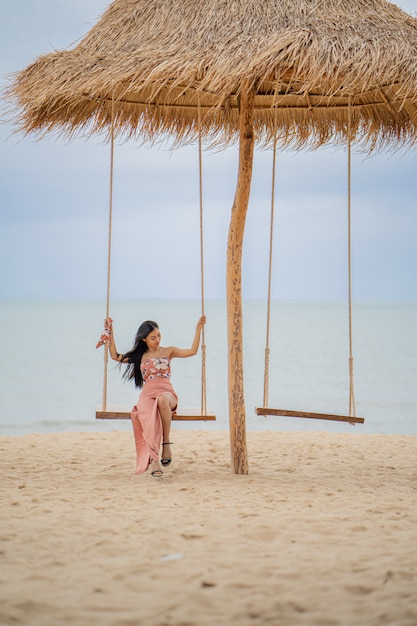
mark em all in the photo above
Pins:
pixel 307 72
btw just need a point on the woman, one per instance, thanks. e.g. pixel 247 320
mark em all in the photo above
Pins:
pixel 149 365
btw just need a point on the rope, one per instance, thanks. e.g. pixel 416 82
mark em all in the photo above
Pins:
pixel 271 238
pixel 109 245
pixel 109 241
pixel 203 340
pixel 352 405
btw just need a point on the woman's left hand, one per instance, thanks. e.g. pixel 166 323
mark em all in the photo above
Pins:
pixel 201 322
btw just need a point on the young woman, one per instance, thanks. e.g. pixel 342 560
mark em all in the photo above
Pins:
pixel 149 365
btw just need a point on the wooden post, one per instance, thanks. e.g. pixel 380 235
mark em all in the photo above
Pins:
pixel 237 417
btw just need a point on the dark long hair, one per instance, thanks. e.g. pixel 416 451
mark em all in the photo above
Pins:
pixel 134 356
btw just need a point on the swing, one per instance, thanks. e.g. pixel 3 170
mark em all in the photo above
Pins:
pixel 265 410
pixel 190 414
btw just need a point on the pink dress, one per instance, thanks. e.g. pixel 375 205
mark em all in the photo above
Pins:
pixel 146 420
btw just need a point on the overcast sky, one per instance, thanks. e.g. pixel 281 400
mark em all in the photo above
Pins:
pixel 54 205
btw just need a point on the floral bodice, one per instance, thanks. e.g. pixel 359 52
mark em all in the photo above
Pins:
pixel 155 368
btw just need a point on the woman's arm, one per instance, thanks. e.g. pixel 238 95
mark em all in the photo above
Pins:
pixel 183 353
pixel 112 346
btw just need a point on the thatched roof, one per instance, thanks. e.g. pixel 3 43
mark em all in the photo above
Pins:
pixel 306 59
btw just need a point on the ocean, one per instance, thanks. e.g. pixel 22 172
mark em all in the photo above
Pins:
pixel 52 374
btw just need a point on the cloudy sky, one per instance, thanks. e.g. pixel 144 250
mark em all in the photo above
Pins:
pixel 54 205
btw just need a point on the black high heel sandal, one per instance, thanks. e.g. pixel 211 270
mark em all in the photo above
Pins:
pixel 167 460
pixel 157 473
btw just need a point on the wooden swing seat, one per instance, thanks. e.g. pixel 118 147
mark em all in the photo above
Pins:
pixel 186 415
pixel 304 414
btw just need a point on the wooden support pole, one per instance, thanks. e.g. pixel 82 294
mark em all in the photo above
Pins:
pixel 237 417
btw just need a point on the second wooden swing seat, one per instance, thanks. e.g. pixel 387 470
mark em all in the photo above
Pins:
pixel 315 416
pixel 265 409
pixel 188 414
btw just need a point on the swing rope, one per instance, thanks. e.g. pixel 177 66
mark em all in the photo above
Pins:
pixel 352 405
pixel 271 239
pixel 122 414
pixel 109 242
pixel 203 341
pixel 351 418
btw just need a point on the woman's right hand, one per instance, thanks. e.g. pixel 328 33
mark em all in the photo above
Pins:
pixel 106 335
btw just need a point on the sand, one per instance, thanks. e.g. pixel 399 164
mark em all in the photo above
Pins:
pixel 322 532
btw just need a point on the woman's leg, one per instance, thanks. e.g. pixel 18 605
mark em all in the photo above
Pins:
pixel 166 404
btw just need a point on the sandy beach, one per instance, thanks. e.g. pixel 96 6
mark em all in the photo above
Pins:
pixel 322 532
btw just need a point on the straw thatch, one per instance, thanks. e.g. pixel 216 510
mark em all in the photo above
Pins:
pixel 158 58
